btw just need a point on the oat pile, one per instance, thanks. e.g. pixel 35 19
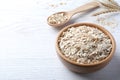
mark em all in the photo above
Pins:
pixel 84 44
pixel 57 18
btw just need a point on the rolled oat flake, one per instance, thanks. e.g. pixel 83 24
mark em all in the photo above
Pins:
pixel 85 44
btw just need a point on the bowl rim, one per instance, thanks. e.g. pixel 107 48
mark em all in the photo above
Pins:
pixel 91 25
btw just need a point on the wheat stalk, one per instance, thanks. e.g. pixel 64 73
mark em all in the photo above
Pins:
pixel 106 11
pixel 110 6
pixel 113 2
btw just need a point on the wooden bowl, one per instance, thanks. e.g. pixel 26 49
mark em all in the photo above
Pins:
pixel 85 68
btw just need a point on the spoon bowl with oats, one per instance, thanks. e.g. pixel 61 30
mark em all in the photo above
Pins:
pixel 85 47
pixel 60 18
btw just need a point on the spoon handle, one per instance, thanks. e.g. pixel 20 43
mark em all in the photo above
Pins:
pixel 85 7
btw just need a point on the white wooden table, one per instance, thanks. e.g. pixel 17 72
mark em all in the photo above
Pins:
pixel 27 43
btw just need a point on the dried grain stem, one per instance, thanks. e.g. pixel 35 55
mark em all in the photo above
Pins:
pixel 113 2
pixel 106 11
pixel 110 6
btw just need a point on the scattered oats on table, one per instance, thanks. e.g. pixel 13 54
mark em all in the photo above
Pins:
pixel 84 44
pixel 106 21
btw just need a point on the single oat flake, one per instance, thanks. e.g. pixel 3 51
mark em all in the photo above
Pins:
pixel 84 44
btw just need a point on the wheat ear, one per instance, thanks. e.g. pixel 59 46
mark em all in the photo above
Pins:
pixel 110 6
pixel 106 11
pixel 113 2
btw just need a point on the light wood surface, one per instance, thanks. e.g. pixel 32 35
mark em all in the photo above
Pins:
pixel 27 42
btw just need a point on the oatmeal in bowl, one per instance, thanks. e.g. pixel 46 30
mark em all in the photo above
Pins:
pixel 85 47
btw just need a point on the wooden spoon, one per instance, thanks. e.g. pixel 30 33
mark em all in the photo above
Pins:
pixel 69 14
